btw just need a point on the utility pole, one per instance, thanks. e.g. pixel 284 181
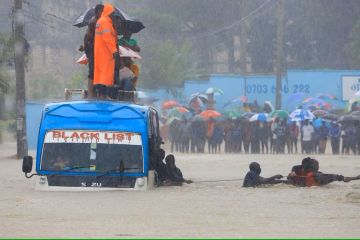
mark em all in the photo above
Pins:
pixel 243 38
pixel 243 41
pixel 18 23
pixel 279 65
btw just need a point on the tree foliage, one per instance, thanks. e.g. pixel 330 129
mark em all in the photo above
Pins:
pixel 6 58
pixel 167 65
pixel 352 49
pixel 182 37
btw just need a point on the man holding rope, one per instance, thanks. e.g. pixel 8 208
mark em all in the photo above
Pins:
pixel 253 178
pixel 307 175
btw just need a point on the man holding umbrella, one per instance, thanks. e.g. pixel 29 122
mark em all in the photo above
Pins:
pixel 89 45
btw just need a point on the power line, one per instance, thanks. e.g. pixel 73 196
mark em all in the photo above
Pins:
pixel 57 17
pixel 238 22
pixel 39 20
pixel 47 13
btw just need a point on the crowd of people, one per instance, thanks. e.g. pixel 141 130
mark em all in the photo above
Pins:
pixel 276 136
pixel 110 76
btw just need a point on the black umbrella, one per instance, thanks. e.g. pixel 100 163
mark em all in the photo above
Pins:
pixel 331 116
pixel 348 118
pixel 127 22
pixel 356 113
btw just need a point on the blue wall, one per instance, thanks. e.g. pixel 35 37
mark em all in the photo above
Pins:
pixel 307 83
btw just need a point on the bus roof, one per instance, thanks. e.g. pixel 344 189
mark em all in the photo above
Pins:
pixel 96 110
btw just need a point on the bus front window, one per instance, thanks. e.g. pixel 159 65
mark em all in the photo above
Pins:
pixel 66 154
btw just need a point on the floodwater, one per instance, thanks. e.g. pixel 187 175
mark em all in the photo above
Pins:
pixel 203 209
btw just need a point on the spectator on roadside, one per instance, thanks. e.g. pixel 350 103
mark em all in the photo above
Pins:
pixel 334 134
pixel 307 132
pixel 264 137
pixel 323 134
pixel 294 134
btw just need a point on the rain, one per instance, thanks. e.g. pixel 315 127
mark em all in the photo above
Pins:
pixel 197 119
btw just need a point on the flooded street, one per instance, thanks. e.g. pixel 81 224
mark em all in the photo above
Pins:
pixel 202 209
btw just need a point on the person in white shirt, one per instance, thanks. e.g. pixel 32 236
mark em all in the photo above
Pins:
pixel 306 136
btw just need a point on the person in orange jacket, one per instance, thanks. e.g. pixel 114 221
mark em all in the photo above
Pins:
pixel 307 175
pixel 105 53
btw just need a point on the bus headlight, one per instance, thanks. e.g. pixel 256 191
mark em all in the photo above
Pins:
pixel 140 182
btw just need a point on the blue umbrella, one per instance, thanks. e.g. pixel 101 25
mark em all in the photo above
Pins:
pixel 301 114
pixel 261 117
pixel 317 123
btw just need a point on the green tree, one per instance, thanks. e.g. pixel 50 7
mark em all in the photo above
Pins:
pixel 352 49
pixel 167 65
pixel 6 53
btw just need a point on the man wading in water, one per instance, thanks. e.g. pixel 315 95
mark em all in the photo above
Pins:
pixel 253 178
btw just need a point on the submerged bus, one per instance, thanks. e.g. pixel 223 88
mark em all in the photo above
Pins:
pixel 96 145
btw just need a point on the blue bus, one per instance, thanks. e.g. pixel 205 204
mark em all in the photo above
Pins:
pixel 96 144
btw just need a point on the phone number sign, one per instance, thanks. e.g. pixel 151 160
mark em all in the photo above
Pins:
pixel 350 85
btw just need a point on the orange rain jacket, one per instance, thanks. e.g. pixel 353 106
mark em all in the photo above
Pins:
pixel 104 48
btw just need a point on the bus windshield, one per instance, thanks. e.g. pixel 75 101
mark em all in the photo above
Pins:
pixel 72 150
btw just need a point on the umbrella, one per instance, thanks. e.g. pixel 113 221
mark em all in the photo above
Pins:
pixel 123 51
pixel 201 96
pixel 261 117
pixel 178 112
pixel 215 91
pixel 268 106
pixel 348 118
pixel 326 96
pixel 237 100
pixel 354 104
pixel 169 104
pixel 312 100
pixel 171 119
pixel 331 116
pixel 248 115
pixel 279 114
pixel 210 114
pixel 316 103
pixel 127 22
pixel 301 114
pixel 231 113
pixel 356 113
pixel 320 113
pixel 317 123
pixel 198 99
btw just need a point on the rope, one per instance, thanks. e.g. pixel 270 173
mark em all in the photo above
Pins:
pixel 220 180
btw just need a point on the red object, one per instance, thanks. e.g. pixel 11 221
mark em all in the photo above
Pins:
pixel 243 99
pixel 123 51
pixel 83 59
pixel 169 104
pixel 182 110
pixel 210 114
pixel 310 180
